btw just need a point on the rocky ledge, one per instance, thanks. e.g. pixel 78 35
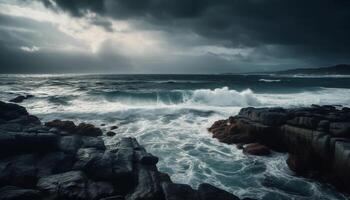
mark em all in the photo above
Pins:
pixel 59 160
pixel 317 138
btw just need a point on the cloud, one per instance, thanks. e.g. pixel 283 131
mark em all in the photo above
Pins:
pixel 177 36
pixel 30 49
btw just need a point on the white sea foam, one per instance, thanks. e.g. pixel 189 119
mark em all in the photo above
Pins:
pixel 269 80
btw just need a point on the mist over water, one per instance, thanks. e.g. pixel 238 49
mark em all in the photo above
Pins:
pixel 169 115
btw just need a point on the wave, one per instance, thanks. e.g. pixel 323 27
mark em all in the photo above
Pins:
pixel 269 80
pixel 216 97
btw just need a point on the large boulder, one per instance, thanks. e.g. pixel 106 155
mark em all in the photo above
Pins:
pixel 68 126
pixel 69 185
pixel 266 116
pixel 17 193
pixel 148 185
pixel 88 130
pixel 9 111
pixel 340 129
pixel 256 149
pixel 173 191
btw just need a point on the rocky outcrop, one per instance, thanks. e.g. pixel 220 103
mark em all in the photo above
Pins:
pixel 317 138
pixel 61 160
pixel 21 98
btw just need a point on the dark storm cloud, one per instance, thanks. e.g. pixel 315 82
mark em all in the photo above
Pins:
pixel 242 22
pixel 278 34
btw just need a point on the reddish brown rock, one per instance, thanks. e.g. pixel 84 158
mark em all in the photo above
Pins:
pixel 256 149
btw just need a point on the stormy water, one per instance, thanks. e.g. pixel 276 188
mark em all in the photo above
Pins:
pixel 170 114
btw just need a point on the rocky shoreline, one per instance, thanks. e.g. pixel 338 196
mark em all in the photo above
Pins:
pixel 61 160
pixel 316 138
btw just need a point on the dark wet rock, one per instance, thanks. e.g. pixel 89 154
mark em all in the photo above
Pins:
pixel 306 122
pixel 17 193
pixel 317 138
pixel 148 185
pixel 88 130
pixel 70 185
pixel 54 163
pixel 340 129
pixel 256 149
pixel 110 133
pixel 209 192
pixel 266 116
pixel 68 126
pixel 10 111
pixel 97 190
pixel 19 171
pixel 93 142
pixel 21 98
pixel 26 120
pixel 60 160
pixel 323 125
pixel 143 157
pixel 70 144
pixel 18 99
pixel 173 191
pixel 113 127
pixel 11 127
pixel 21 142
pixel 118 197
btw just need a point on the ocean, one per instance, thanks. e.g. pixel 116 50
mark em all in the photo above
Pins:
pixel 170 114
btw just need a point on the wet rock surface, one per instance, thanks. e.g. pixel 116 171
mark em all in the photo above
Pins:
pixel 61 160
pixel 317 138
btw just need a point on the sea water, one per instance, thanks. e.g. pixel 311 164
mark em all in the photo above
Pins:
pixel 170 114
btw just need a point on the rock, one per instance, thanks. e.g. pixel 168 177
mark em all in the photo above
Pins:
pixel 339 129
pixel 110 133
pixel 256 149
pixel 298 164
pixel 94 142
pixel 27 120
pixel 323 125
pixel 97 190
pixel 88 130
pixel 118 197
pixel 70 185
pixel 19 170
pixel 70 144
pixel 306 122
pixel 266 116
pixel 14 143
pixel 54 163
pixel 18 99
pixel 209 192
pixel 10 111
pixel 240 146
pixel 16 193
pixel 11 127
pixel 113 127
pixel 54 130
pixel 148 185
pixel 68 126
pixel 342 162
pixel 145 158
pixel 174 191
pixel 21 98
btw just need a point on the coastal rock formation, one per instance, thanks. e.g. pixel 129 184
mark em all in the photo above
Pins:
pixel 317 138
pixel 60 160
pixel 21 98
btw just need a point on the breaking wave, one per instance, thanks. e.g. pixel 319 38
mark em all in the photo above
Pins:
pixel 216 97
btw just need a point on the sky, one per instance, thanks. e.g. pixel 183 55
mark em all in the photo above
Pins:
pixel 172 36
